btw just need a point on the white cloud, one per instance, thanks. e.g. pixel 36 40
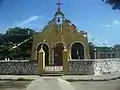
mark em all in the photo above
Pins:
pixel 106 42
pixel 115 23
pixel 97 42
pixel 93 39
pixel 107 25
pixel 27 21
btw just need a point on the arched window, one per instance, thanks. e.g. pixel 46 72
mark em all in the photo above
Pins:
pixel 77 51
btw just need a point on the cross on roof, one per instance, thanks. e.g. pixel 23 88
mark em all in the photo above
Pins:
pixel 59 4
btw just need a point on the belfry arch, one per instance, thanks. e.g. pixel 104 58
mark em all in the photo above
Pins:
pixel 46 50
pixel 77 51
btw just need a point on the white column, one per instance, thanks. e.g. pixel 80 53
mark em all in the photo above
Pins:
pixel 95 53
pixel 53 56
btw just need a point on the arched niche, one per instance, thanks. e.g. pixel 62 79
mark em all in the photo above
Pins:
pixel 58 54
pixel 77 51
pixel 46 50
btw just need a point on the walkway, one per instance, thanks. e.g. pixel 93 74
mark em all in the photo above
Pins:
pixel 105 77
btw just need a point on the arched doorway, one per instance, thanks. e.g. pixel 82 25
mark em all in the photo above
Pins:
pixel 58 54
pixel 77 51
pixel 46 50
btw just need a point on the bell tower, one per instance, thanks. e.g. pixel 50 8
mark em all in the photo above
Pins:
pixel 59 15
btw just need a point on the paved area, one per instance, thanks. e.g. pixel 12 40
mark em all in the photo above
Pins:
pixel 97 85
pixel 111 76
pixel 78 85
pixel 13 85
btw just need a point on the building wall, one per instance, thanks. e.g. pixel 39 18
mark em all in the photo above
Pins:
pixel 94 66
pixel 52 35
pixel 18 67
pixel 82 67
pixel 117 54
pixel 108 52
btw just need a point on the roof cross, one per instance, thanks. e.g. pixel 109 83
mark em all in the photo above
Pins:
pixel 59 4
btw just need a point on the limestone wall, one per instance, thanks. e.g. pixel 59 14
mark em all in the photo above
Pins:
pixel 88 66
pixel 18 67
pixel 103 66
pixel 96 66
pixel 81 67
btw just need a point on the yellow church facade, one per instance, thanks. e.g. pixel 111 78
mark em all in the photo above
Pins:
pixel 58 34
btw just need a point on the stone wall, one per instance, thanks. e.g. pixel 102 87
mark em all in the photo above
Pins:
pixel 88 66
pixel 15 67
pixel 81 67
pixel 104 66
pixel 96 66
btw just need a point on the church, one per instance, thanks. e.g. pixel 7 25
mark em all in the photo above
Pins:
pixel 57 35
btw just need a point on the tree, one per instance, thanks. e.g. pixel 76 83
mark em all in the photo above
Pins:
pixel 114 3
pixel 13 37
pixel 19 31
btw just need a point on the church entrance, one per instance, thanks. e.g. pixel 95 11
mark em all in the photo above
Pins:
pixel 77 51
pixel 46 50
pixel 58 54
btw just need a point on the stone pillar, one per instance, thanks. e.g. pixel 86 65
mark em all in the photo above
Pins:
pixel 50 56
pixel 65 61
pixel 95 53
pixel 41 60
pixel 35 54
pixel 69 52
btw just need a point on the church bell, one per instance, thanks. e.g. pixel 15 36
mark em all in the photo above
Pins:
pixel 58 20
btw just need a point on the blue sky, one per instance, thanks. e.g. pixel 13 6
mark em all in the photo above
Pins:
pixel 98 19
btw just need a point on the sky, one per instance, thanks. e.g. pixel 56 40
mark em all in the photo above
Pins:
pixel 93 16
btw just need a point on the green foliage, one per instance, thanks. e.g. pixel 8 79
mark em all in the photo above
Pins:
pixel 104 49
pixel 114 3
pixel 12 37
pixel 19 31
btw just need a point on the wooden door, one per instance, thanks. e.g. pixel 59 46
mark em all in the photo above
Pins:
pixel 58 54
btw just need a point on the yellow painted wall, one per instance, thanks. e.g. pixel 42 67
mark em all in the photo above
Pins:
pixel 52 34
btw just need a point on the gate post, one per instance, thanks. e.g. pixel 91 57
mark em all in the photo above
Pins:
pixel 41 60
pixel 65 61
